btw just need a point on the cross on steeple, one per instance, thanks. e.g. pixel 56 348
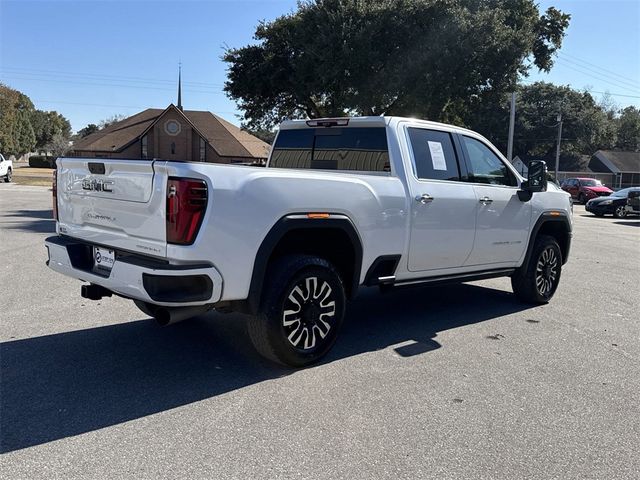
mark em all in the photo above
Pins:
pixel 180 85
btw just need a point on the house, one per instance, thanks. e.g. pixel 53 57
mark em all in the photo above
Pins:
pixel 173 134
pixel 624 166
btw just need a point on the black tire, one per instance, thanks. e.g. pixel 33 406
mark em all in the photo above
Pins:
pixel 8 176
pixel 315 311
pixel 582 199
pixel 539 281
pixel 145 307
pixel 620 211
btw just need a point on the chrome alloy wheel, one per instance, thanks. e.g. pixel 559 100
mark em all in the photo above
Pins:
pixel 620 211
pixel 546 271
pixel 309 312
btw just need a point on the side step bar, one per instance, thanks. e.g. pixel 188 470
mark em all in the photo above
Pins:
pixel 444 279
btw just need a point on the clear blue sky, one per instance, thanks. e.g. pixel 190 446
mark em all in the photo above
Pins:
pixel 92 59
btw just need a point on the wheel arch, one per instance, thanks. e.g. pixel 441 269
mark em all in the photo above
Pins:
pixel 333 238
pixel 555 224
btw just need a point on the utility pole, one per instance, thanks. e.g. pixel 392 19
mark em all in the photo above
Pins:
pixel 512 122
pixel 559 118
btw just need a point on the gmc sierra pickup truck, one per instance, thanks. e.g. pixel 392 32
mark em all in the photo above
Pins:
pixel 342 203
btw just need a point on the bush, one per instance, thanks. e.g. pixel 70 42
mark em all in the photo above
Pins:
pixel 42 161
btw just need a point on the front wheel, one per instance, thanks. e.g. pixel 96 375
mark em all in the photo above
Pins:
pixel 301 312
pixel 7 177
pixel 539 281
pixel 620 211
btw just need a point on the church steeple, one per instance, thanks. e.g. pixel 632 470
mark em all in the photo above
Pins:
pixel 180 86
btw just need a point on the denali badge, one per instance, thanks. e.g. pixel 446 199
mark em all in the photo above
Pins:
pixel 97 185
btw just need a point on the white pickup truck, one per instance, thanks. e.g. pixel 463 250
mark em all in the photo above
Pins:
pixel 342 203
pixel 6 169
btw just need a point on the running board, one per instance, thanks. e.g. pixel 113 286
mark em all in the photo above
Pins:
pixel 457 278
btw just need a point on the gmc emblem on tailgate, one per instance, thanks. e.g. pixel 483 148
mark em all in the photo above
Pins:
pixel 97 185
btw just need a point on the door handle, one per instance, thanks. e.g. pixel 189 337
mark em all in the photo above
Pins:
pixel 424 198
pixel 485 200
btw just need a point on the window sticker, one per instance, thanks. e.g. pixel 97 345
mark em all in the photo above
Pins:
pixel 437 156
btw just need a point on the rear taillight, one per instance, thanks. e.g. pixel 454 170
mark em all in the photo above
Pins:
pixel 54 190
pixel 186 205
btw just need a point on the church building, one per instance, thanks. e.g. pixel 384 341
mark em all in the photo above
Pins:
pixel 173 134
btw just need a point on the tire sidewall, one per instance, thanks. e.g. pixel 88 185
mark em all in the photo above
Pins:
pixel 540 247
pixel 274 304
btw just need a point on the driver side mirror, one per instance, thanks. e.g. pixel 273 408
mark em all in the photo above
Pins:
pixel 536 180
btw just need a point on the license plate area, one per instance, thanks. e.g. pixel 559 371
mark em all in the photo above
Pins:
pixel 103 260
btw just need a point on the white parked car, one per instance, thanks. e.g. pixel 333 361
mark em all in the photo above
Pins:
pixel 6 169
pixel 342 203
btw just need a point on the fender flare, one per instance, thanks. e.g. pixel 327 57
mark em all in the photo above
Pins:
pixel 545 218
pixel 287 224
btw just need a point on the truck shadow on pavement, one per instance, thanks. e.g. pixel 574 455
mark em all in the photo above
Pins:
pixel 38 221
pixel 67 384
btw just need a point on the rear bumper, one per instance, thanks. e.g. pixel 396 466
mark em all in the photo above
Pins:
pixel 133 277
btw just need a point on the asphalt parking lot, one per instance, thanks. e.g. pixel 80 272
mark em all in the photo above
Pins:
pixel 447 382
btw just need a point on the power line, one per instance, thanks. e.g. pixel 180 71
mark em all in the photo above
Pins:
pixel 634 85
pixel 591 91
pixel 98 84
pixel 563 54
pixel 597 76
pixel 106 105
pixel 100 76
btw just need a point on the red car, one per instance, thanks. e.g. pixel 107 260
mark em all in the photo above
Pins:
pixel 584 189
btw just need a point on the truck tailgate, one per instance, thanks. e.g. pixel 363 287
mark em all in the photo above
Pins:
pixel 117 203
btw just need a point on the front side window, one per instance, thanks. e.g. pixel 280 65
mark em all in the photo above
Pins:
pixel 359 148
pixel 485 166
pixel 435 157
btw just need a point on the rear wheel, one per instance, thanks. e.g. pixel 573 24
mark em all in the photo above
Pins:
pixel 539 281
pixel 301 312
pixel 620 211
pixel 8 176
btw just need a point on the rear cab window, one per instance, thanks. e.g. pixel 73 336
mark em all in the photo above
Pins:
pixel 362 149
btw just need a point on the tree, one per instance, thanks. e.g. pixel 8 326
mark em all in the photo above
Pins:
pixel 586 128
pixel 629 129
pixel 267 136
pixel 16 133
pixel 88 130
pixel 111 120
pixel 427 58
pixel 47 125
pixel 59 145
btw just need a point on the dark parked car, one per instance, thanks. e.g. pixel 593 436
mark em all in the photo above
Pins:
pixel 633 202
pixel 615 204
pixel 583 189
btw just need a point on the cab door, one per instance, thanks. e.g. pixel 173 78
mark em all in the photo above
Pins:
pixel 503 220
pixel 443 207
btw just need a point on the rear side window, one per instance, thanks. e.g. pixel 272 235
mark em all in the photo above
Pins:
pixel 359 149
pixel 434 154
